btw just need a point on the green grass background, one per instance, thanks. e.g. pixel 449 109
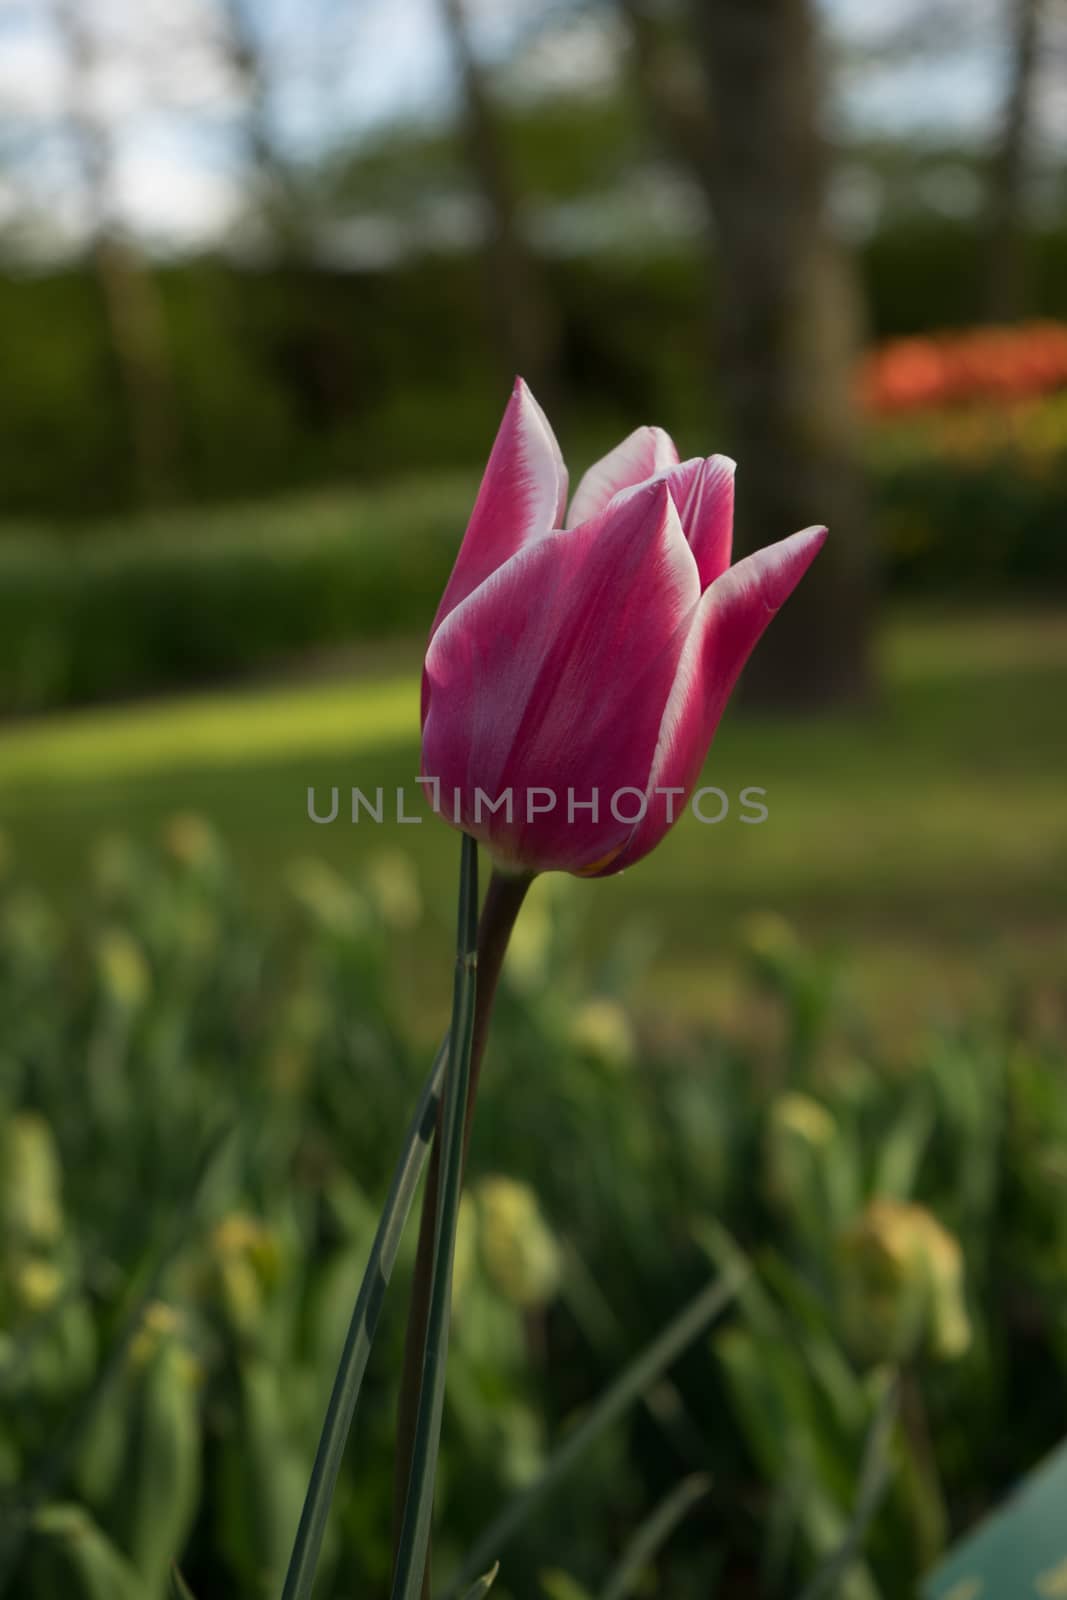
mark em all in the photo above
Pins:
pixel 925 839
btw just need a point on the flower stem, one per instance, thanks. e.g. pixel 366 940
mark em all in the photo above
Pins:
pixel 503 902
pixel 300 1578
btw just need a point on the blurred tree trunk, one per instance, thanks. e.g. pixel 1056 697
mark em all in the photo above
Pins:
pixel 523 317
pixel 789 331
pixel 138 336
pixel 674 95
pixel 1006 289
pixel 132 307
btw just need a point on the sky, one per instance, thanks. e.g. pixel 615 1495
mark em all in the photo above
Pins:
pixel 174 111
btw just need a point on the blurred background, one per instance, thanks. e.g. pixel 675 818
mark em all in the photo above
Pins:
pixel 267 269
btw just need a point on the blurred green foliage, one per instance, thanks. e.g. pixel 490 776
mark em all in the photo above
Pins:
pixel 287 376
pixel 183 599
pixel 968 504
pixel 975 501
pixel 199 1109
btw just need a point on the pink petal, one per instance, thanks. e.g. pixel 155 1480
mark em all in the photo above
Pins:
pixel 555 673
pixel 703 491
pixel 725 628
pixel 522 496
pixel 645 452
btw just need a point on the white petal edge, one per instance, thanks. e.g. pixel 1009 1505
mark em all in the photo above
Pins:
pixel 550 486
pixel 642 454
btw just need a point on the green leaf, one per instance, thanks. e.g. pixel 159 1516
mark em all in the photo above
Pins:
pixel 726 1254
pixel 418 1507
pixel 903 1149
pixel 479 1590
pixel 160 1488
pixel 630 1385
pixel 357 1347
pixel 262 1477
pixel 652 1534
pixel 70 1556
pixel 179 1589
pixel 874 1479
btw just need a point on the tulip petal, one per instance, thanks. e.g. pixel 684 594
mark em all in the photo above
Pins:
pixel 645 452
pixel 725 628
pixel 523 495
pixel 554 675
pixel 703 491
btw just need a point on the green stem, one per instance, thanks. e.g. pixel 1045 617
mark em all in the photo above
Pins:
pixel 300 1578
pixel 503 902
pixel 929 1499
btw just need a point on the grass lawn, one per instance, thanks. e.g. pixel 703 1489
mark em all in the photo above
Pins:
pixel 928 841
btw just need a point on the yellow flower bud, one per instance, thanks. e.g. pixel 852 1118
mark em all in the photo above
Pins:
pixel 799 1131
pixel 520 1253
pixel 246 1260
pixel 601 1029
pixel 191 842
pixel 123 968
pixel 803 1118
pixel 37 1284
pixel 902 1279
pixel 768 938
pixel 31 1209
pixel 159 1322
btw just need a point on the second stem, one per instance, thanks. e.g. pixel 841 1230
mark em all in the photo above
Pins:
pixel 503 901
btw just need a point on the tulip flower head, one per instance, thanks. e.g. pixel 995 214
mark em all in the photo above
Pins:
pixel 581 657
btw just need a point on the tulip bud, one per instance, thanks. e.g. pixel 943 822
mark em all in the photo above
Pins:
pixel 159 1322
pixel 902 1284
pixel 601 1030
pixel 246 1264
pixel 799 1132
pixel 158 1484
pixel 36 1284
pixel 31 1210
pixel 124 972
pixel 192 843
pixel 519 1251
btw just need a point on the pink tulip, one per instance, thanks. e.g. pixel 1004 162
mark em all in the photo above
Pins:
pixel 590 650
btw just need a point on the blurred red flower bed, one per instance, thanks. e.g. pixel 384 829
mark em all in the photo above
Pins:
pixel 976 364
